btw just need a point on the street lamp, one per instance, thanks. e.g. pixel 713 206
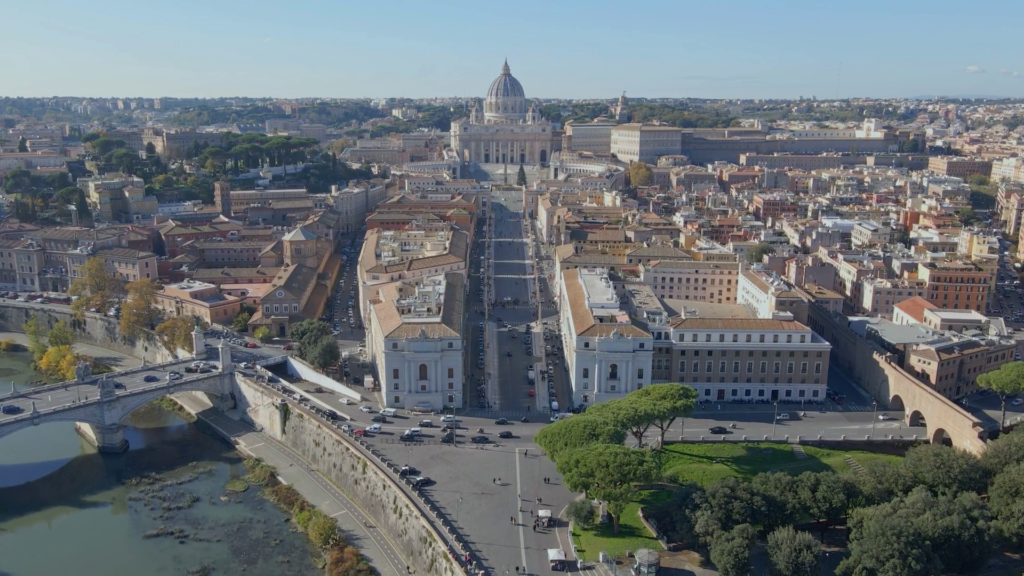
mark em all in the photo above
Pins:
pixel 874 406
pixel 776 421
pixel 457 502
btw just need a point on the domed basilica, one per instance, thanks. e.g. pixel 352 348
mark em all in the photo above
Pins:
pixel 506 131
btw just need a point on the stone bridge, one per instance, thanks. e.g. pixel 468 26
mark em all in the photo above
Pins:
pixel 99 406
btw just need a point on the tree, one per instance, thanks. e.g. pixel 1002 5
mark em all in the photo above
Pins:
pixel 521 176
pixel 780 498
pixel 34 332
pixel 325 354
pixel 22 144
pixel 664 403
pixel 944 470
pixel 176 334
pixel 262 334
pixel 730 551
pixel 883 543
pixel 967 216
pixel 150 149
pixel 104 146
pixel 578 432
pixel 138 314
pixel 124 159
pixel 1006 500
pixel 241 322
pixel 640 174
pixel 635 416
pixel 724 505
pixel 68 195
pixel 96 288
pixel 757 254
pixel 323 530
pixel 307 333
pixel 793 553
pixel 61 335
pixel 91 137
pixel 1007 379
pixel 825 496
pixel 580 512
pixel 608 472
pixel 54 360
pixel 978 180
pixel 1004 452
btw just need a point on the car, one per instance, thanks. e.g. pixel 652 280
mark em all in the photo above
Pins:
pixel 504 434
pixel 426 424
pixel 150 378
pixel 531 393
pixel 448 439
pixel 10 409
pixel 366 409
pixel 421 481
pixel 252 345
pixel 501 421
pixel 373 428
pixel 379 418
pixel 119 386
pixel 407 437
pixel 884 416
pixel 1017 402
pixel 480 439
pixel 718 430
pixel 448 418
pixel 174 375
pixel 289 346
pixel 783 416
pixel 359 432
pixel 408 471
pixel 330 414
pixel 345 401
pixel 346 428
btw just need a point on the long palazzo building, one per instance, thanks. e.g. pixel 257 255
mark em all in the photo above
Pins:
pixel 506 131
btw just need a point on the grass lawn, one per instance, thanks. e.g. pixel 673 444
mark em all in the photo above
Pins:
pixel 706 463
pixel 632 533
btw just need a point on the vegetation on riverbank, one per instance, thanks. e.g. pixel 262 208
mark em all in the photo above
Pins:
pixel 339 559
pixel 172 405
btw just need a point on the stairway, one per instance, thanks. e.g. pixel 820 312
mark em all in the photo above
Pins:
pixel 857 468
pixel 798 451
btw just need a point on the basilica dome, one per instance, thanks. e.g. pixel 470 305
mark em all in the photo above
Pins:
pixel 505 101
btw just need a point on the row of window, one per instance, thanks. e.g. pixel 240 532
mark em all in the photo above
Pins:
pixel 451 399
pixel 747 393
pixel 279 308
pixel 423 387
pixel 671 280
pixel 735 337
pixel 423 373
pixel 776 367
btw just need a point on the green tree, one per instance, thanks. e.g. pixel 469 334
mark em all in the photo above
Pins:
pixel 241 322
pixel 176 334
pixel 1004 452
pixel 884 544
pixel 150 149
pixel 521 176
pixel 61 335
pixel 307 333
pixel 34 330
pixel 793 553
pixel 581 512
pixel 640 174
pixel 1006 380
pixel 635 416
pixel 944 470
pixel 664 403
pixel 323 530
pixel 730 550
pixel 68 195
pixel 91 137
pixel 825 496
pixel 608 472
pixel 1006 500
pixel 780 498
pixel 95 288
pixel 578 432
pixel 325 353
pixel 757 254
pixel 104 146
pixel 978 180
pixel 967 217
pixel 123 159
pixel 724 505
pixel 262 334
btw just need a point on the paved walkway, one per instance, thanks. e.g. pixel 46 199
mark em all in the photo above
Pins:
pixel 318 490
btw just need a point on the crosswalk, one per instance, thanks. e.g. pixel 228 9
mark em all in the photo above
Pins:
pixel 509 414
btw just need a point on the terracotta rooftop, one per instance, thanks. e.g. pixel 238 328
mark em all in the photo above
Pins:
pixel 915 307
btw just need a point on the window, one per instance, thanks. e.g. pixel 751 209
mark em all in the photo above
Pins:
pixel 276 308
pixel 789 367
pixel 682 366
pixel 707 337
pixel 639 373
pixel 760 393
pixel 734 392
pixel 613 372
pixel 398 399
pixel 735 367
pixel 721 366
pixel 641 345
pixel 586 372
pixel 803 367
pixel 777 368
pixel 764 367
pixel 586 344
pixel 789 393
pixel 451 372
pixel 814 393
pixel 775 338
pixel 735 337
pixel 789 338
pixel 760 337
pixel 803 338
pixel 746 392
pixel 586 385
pixel 748 338
pixel 394 345
pixel 451 345
pixel 696 367
pixel 693 338
pixel 451 385
pixel 423 371
pixel 710 367
pixel 750 367
pixel 396 385
pixel 721 337
pixel 801 393
pixel 394 373
pixel 817 367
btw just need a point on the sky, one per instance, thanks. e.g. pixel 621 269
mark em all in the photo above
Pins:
pixel 556 48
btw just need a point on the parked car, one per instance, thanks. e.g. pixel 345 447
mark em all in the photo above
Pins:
pixel 150 378
pixel 366 409
pixel 359 432
pixel 289 346
pixel 448 418
pixel 448 439
pixel 783 416
pixel 480 440
pixel 251 345
pixel 373 428
pixel 421 481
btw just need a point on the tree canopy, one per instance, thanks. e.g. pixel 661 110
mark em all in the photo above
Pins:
pixel 609 472
pixel 1007 379
pixel 95 288
pixel 793 553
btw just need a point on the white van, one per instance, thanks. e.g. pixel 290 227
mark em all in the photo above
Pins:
pixel 554 406
pixel 416 431
pixel 389 412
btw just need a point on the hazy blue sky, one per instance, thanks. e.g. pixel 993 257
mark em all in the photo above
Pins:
pixel 577 49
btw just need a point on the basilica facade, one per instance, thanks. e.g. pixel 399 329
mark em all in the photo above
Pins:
pixel 506 131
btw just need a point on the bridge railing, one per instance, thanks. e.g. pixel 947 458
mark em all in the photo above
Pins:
pixel 93 379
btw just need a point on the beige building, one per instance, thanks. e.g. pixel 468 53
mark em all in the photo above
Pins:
pixel 959 167
pixel 960 285
pixel 198 299
pixel 594 136
pixel 645 142
pixel 354 203
pixel 715 282
pixel 879 297
pixel 118 197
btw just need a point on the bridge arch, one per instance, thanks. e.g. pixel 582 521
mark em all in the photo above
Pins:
pixel 916 418
pixel 896 403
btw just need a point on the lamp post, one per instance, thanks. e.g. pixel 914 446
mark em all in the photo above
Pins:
pixel 776 421
pixel 874 406
pixel 457 502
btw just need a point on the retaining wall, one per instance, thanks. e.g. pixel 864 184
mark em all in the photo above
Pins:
pixel 364 481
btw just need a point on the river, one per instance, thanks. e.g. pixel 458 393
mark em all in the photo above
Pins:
pixel 161 508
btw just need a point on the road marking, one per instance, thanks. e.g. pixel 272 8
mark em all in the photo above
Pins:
pixel 519 501
pixel 257 445
pixel 338 513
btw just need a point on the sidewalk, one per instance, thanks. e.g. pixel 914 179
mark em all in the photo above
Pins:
pixel 357 526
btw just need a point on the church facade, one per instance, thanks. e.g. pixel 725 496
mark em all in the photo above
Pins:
pixel 506 131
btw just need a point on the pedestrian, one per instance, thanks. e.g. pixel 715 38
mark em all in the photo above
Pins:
pixel 538 500
pixel 534 527
pixel 525 453
pixel 494 481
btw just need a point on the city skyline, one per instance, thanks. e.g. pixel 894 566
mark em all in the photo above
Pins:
pixel 743 50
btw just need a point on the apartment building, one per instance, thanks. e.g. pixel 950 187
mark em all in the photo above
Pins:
pixel 769 205
pixel 354 202
pixel 866 233
pixel 952 364
pixel 959 167
pixel 768 296
pixel 879 296
pixel 118 197
pixel 692 280
pixel 955 284
pixel 414 341
pixel 594 136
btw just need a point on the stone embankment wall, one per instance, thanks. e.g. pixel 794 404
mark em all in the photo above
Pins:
pixel 95 329
pixel 362 479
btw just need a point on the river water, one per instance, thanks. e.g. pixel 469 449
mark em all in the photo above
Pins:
pixel 161 508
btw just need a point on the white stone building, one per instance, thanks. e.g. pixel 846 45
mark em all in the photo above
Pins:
pixel 506 131
pixel 607 356
pixel 414 341
pixel 645 142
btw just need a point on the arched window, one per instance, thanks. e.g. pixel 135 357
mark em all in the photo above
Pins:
pixel 586 372
pixel 613 372
pixel 423 371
